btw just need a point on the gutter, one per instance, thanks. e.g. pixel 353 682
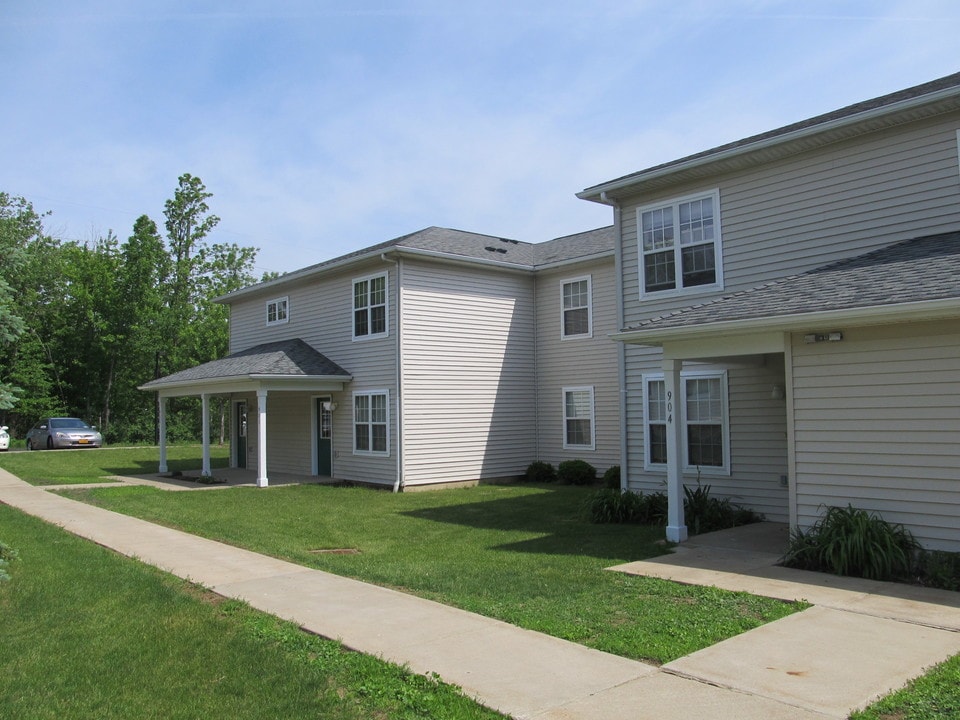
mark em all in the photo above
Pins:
pixel 871 315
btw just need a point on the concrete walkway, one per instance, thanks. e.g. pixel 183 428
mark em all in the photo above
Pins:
pixel 859 643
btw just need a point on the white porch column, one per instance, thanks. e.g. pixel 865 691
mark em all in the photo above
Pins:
pixel 262 480
pixel 205 405
pixel 162 403
pixel 676 527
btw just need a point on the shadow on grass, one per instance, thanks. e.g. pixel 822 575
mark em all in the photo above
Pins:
pixel 559 519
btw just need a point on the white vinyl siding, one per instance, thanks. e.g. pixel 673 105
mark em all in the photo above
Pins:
pixel 578 418
pixel 576 308
pixel 469 402
pixel 324 308
pixel 277 311
pixel 567 363
pixel 877 422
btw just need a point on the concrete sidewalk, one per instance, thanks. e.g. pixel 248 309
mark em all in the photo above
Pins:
pixel 821 663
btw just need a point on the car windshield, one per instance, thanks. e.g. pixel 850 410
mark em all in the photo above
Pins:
pixel 65 423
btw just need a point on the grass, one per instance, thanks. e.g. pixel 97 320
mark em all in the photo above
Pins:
pixel 525 555
pixel 934 695
pixel 85 633
pixel 70 467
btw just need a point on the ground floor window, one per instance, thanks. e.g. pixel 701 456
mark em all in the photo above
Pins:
pixel 578 418
pixel 703 412
pixel 370 422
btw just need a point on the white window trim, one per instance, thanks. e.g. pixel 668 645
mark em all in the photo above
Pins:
pixel 718 247
pixel 681 408
pixel 593 418
pixel 353 404
pixel 386 306
pixel 589 333
pixel 276 303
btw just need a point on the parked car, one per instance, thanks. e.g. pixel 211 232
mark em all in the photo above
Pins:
pixel 62 432
pixel 4 438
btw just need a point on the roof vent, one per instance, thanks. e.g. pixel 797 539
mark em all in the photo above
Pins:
pixel 495 249
pixel 508 240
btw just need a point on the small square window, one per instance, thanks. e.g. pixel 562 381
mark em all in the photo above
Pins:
pixel 277 311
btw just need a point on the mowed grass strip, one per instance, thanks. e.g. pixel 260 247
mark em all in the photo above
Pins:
pixel 72 467
pixel 85 633
pixel 526 555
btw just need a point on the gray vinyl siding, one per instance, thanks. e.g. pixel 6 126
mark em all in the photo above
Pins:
pixel 321 314
pixel 288 433
pixel 578 362
pixel 468 373
pixel 787 217
pixel 877 425
pixel 758 436
pixel 802 212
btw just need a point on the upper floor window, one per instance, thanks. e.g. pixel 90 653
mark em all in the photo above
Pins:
pixel 277 311
pixel 703 412
pixel 576 308
pixel 680 244
pixel 578 418
pixel 370 307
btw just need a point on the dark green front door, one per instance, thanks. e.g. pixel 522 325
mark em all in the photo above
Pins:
pixel 241 434
pixel 324 435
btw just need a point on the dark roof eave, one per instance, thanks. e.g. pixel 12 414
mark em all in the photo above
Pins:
pixel 946 308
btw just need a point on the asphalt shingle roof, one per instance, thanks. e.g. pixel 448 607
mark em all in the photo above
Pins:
pixel 285 358
pixel 918 270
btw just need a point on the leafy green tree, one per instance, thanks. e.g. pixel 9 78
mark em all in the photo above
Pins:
pixel 23 248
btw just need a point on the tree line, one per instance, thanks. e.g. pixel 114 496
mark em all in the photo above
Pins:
pixel 82 324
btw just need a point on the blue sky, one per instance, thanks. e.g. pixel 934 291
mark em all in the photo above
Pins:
pixel 323 127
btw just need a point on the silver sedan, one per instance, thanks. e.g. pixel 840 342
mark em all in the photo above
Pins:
pixel 62 432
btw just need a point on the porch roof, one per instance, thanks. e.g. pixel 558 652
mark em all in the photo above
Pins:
pixel 281 365
pixel 910 280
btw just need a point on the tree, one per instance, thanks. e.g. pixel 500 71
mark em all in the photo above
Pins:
pixel 21 232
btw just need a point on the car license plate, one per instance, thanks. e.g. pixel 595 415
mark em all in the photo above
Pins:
pixel 83 441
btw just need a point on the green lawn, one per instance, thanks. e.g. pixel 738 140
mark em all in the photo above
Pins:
pixel 86 633
pixel 69 467
pixel 526 555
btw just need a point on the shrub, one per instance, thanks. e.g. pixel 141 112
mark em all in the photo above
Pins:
pixel 613 506
pixel 611 478
pixel 576 472
pixel 704 513
pixel 939 569
pixel 540 472
pixel 853 542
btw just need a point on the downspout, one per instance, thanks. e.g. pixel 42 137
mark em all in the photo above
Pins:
pixel 398 483
pixel 622 349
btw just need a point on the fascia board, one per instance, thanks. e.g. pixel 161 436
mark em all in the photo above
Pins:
pixel 874 315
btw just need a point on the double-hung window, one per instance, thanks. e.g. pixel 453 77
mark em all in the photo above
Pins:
pixel 705 418
pixel 277 311
pixel 370 307
pixel 680 244
pixel 578 418
pixel 576 308
pixel 370 423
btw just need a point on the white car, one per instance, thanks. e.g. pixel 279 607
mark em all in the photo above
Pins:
pixel 4 438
